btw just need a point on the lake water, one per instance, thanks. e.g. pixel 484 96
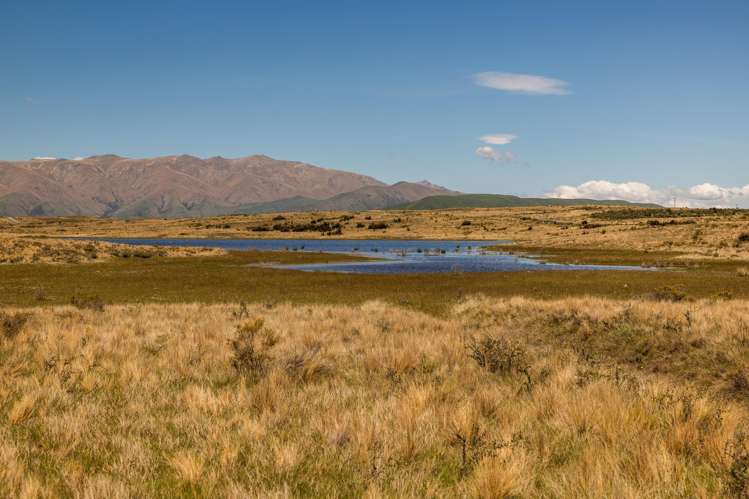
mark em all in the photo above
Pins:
pixel 396 256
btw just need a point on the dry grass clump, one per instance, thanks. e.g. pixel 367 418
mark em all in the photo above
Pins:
pixel 26 250
pixel 742 271
pixel 11 324
pixel 503 398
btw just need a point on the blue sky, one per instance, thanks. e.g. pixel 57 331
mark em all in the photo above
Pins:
pixel 655 92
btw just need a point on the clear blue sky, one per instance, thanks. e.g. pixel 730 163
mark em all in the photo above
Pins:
pixel 657 90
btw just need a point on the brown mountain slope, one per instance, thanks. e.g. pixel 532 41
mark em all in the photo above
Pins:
pixel 168 186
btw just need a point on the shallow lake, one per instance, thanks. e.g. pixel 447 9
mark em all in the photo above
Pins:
pixel 394 256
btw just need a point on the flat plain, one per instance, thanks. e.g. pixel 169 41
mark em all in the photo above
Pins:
pixel 142 371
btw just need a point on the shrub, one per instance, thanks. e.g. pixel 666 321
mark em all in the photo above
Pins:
pixel 12 324
pixel 278 218
pixel 498 355
pixel 250 356
pixel 465 223
pixel 335 232
pixel 668 294
pixel 738 384
pixel 737 484
pixel 314 226
pixel 743 238
pixel 658 223
pixel 634 213
pixel 377 226
pixel 87 303
pixel 40 294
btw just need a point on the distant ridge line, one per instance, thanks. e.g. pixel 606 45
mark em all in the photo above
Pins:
pixel 506 201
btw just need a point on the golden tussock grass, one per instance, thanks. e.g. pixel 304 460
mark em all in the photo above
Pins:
pixel 503 398
pixel 22 250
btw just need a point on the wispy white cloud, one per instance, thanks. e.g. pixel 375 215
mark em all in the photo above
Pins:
pixel 702 195
pixel 498 139
pixel 488 152
pixel 521 83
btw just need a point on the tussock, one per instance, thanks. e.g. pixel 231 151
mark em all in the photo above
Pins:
pixel 26 250
pixel 513 397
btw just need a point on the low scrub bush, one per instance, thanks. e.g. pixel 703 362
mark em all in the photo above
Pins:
pixel 314 226
pixel 498 355
pixel 668 294
pixel 12 324
pixel 87 303
pixel 635 213
pixel 250 349
pixel 737 484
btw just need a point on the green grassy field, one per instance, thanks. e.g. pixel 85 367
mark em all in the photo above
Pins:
pixel 234 277
pixel 605 256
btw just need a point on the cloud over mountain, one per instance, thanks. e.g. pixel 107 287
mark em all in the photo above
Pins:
pixel 702 195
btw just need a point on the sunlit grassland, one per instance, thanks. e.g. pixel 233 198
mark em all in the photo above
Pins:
pixel 499 398
pixel 146 375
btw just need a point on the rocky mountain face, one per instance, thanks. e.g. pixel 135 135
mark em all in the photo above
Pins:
pixel 186 186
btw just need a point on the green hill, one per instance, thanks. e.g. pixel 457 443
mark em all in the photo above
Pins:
pixel 503 201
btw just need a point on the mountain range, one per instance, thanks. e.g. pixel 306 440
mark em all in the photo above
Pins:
pixel 187 186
